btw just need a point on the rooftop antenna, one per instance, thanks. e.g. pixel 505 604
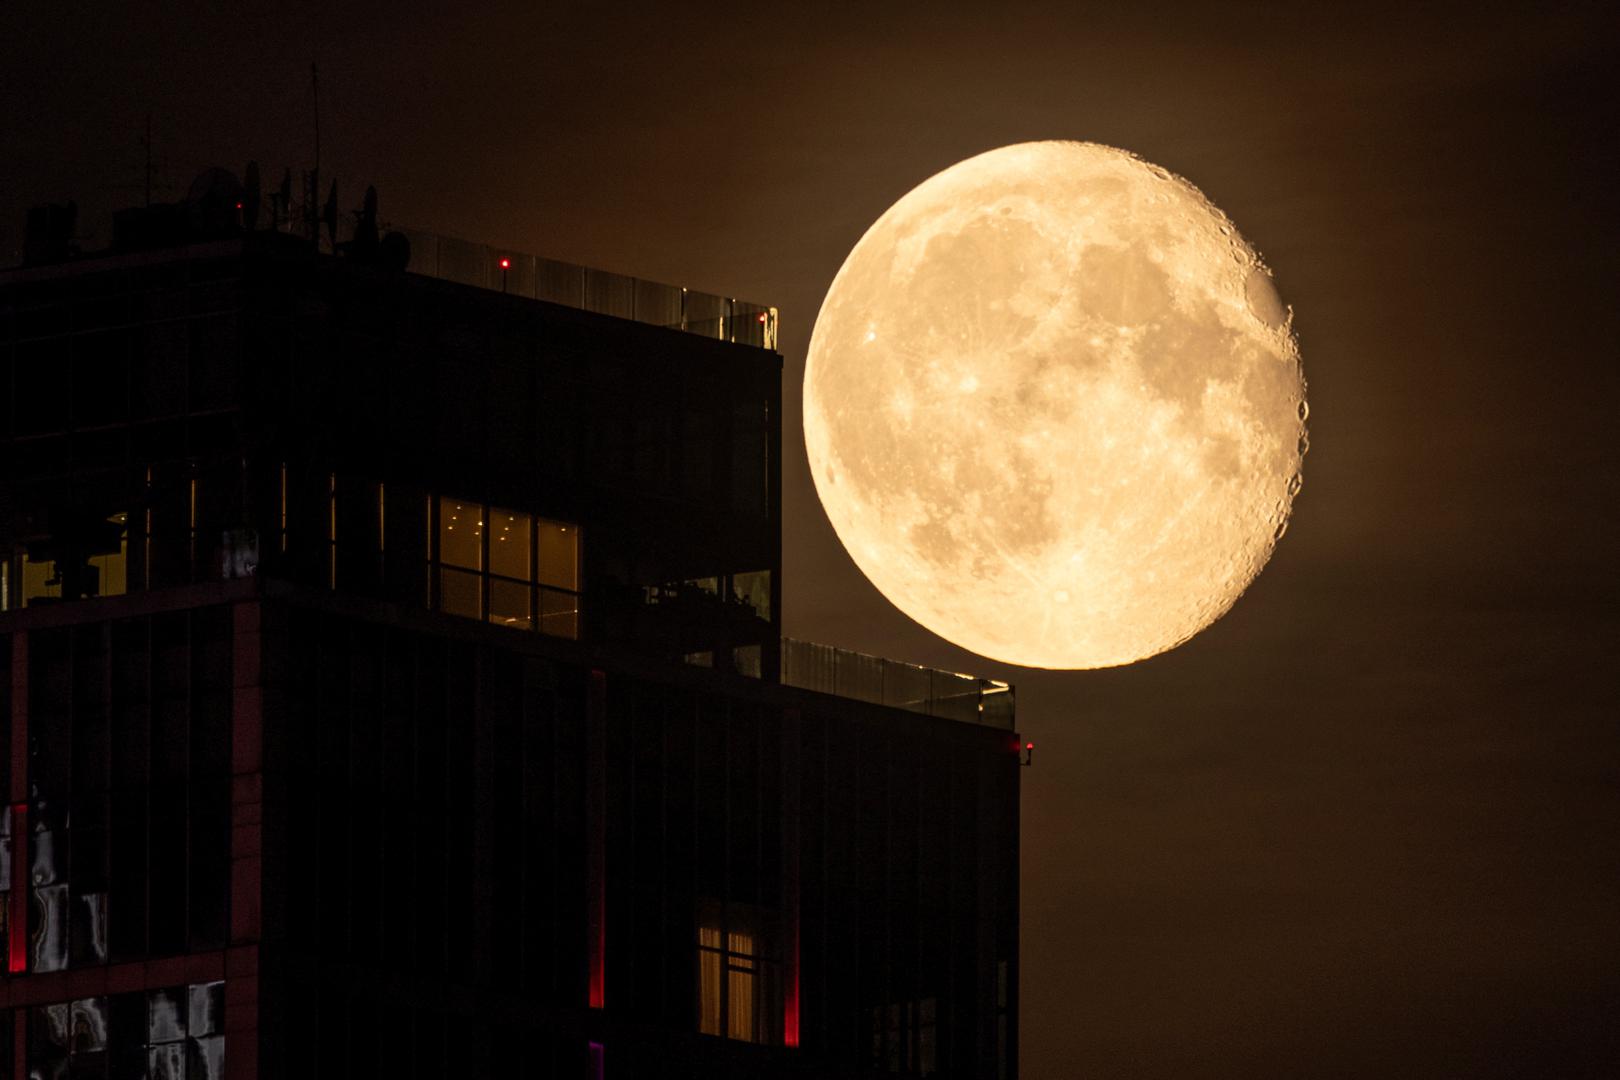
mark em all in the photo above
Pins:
pixel 315 85
pixel 313 214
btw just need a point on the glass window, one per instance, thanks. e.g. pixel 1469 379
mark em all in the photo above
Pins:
pixel 489 558
pixel 509 603
pixel 132 1034
pixel 461 534
pixel 509 544
pixel 48 941
pixel 461 593
pixel 111 567
pixel 205 1008
pixel 559 613
pixel 746 660
pixel 736 979
pixel 87 1019
pixel 559 555
pixel 754 589
pixel 39 580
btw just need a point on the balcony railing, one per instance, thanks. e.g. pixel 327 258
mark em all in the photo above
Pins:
pixel 849 674
pixel 720 317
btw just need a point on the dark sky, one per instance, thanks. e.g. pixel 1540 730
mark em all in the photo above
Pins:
pixel 1368 824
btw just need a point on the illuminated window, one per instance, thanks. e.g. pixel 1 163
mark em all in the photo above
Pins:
pixel 505 566
pixel 40 580
pixel 102 571
pixel 754 589
pixel 737 991
pixel 112 577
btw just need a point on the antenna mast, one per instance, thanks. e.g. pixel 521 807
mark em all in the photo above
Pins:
pixel 315 85
pixel 312 215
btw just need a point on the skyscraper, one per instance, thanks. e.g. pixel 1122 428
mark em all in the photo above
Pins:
pixel 393 685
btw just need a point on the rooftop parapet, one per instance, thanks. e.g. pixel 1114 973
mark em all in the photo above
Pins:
pixel 946 694
pixel 536 278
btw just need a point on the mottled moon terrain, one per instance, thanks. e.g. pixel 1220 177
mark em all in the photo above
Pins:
pixel 1054 407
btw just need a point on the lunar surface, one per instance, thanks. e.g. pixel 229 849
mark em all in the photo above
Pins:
pixel 1054 407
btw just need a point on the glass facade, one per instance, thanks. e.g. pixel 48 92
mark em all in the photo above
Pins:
pixel 173 1033
pixel 125 840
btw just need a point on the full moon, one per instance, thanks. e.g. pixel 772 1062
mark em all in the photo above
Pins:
pixel 1054 407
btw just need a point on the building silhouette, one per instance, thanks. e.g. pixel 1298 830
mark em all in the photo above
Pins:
pixel 391 684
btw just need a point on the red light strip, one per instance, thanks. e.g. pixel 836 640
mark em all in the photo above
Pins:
pixel 17 916
pixel 596 837
pixel 790 873
pixel 790 1012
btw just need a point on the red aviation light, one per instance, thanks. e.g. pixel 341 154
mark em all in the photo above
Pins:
pixel 506 264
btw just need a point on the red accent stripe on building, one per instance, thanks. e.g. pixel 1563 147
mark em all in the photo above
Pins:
pixel 17 901
pixel 17 916
pixel 790 876
pixel 596 837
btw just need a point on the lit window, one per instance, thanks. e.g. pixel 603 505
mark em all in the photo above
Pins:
pixel 40 580
pixel 111 567
pixel 754 589
pixel 559 555
pixel 506 566
pixel 461 531
pixel 736 978
pixel 509 545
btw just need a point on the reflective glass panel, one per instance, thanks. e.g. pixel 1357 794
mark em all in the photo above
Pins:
pixel 88 1025
pixel 167 1062
pixel 165 1015
pixel 205 1007
pixel 48 942
pixel 206 1058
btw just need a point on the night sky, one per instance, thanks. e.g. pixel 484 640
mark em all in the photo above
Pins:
pixel 1368 824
